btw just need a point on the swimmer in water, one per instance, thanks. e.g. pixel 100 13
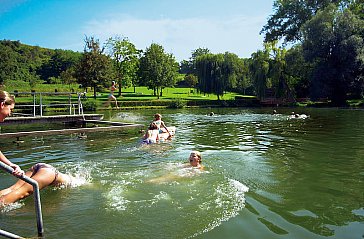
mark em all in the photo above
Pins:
pixel 152 134
pixel 44 174
pixel 195 160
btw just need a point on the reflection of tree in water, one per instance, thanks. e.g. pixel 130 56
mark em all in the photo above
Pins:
pixel 317 174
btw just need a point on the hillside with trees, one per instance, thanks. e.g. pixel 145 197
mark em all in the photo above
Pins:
pixel 324 60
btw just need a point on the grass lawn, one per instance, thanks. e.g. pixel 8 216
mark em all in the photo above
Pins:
pixel 128 94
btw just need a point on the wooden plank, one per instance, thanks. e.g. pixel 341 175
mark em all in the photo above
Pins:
pixel 50 119
pixel 70 131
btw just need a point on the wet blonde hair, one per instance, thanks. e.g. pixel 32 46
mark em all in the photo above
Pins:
pixel 157 116
pixel 198 153
pixel 6 98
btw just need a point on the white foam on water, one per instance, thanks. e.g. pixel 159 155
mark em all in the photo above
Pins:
pixel 155 199
pixel 11 207
pixel 128 117
pixel 80 175
pixel 230 199
pixel 115 199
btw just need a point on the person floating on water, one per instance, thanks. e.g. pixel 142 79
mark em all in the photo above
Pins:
pixel 7 103
pixel 111 96
pixel 158 121
pixel 44 174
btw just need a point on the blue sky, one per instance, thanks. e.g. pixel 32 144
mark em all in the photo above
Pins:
pixel 180 26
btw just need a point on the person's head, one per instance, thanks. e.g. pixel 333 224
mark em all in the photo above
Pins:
pixel 7 103
pixel 157 116
pixel 153 126
pixel 195 158
pixel 113 83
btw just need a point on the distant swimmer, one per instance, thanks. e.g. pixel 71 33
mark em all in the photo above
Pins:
pixel 211 113
pixel 44 174
pixel 298 116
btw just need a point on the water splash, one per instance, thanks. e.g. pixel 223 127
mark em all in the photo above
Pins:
pixel 11 207
pixel 229 199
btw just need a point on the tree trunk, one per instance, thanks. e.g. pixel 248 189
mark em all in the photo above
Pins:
pixel 94 92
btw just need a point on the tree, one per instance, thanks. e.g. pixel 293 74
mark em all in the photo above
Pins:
pixel 289 17
pixel 243 80
pixel 157 69
pixel 191 80
pixel 67 76
pixel 95 68
pixel 188 67
pixel 8 64
pixel 299 71
pixel 20 62
pixel 126 61
pixel 259 69
pixel 60 61
pixel 213 74
pixel 334 43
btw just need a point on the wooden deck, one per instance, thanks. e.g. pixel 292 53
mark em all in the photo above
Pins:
pixel 72 131
pixel 51 119
pixel 80 120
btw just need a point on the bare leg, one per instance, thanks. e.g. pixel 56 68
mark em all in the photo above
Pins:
pixel 15 186
pixel 44 177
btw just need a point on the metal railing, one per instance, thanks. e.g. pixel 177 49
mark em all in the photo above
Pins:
pixel 38 207
pixel 38 105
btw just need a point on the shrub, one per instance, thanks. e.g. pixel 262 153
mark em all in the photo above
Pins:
pixel 177 104
pixel 89 105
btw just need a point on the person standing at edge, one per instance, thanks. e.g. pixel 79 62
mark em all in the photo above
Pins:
pixel 111 96
pixel 7 104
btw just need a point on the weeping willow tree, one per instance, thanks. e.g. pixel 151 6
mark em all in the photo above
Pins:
pixel 213 74
pixel 259 68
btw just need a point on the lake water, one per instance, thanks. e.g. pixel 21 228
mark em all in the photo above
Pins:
pixel 266 176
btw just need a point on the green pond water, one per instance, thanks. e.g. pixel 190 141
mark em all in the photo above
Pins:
pixel 266 176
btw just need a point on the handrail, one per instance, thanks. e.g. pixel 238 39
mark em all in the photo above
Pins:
pixel 40 105
pixel 38 207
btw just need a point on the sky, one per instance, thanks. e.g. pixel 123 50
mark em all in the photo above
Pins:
pixel 180 26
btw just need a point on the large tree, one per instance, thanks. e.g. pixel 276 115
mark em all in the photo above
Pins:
pixel 334 43
pixel 290 15
pixel 259 69
pixel 95 68
pixel 298 70
pixel 189 67
pixel 157 69
pixel 126 61
pixel 213 74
